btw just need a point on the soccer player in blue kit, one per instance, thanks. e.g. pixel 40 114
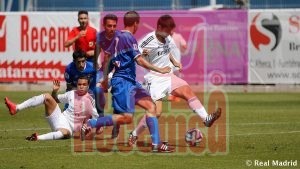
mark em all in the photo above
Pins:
pixel 126 91
pixel 80 67
pixel 104 40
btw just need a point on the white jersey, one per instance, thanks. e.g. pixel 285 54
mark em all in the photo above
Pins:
pixel 159 85
pixel 158 52
pixel 80 107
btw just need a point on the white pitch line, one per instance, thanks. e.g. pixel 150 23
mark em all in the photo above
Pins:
pixel 33 147
pixel 235 124
pixel 268 133
pixel 266 123
pixel 24 129
pixel 58 146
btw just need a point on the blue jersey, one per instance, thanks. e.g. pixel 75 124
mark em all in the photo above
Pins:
pixel 103 42
pixel 72 74
pixel 124 50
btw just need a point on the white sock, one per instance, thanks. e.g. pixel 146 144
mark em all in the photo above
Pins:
pixel 201 113
pixel 51 136
pixel 140 127
pixel 34 101
pixel 197 107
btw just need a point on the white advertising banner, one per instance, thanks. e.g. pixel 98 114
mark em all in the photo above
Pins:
pixel 32 44
pixel 274 46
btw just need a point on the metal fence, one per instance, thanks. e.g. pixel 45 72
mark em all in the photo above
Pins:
pixel 115 5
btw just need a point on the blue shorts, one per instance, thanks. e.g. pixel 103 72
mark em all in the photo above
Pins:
pixel 125 94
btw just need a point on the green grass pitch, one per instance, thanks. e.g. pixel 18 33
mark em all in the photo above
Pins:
pixel 262 127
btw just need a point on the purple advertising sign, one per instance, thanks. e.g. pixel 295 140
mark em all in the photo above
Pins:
pixel 227 49
pixel 216 43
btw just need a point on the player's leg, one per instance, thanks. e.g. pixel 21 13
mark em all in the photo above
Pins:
pixel 144 100
pixel 150 118
pixel 31 102
pixel 115 131
pixel 157 86
pixel 146 104
pixel 123 107
pixel 152 124
pixel 142 125
pixel 98 92
pixel 59 134
pixel 109 120
pixel 57 121
pixel 183 90
pixel 119 91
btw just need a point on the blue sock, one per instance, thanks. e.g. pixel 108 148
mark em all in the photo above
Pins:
pixel 101 121
pixel 100 100
pixel 92 123
pixel 152 124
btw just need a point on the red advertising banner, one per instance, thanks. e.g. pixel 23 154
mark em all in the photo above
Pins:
pixel 32 45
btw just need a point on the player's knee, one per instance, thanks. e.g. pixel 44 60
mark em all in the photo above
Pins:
pixel 158 113
pixel 152 110
pixel 188 93
pixel 127 119
pixel 66 133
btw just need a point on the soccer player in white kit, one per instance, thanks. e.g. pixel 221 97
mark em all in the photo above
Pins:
pixel 159 44
pixel 63 124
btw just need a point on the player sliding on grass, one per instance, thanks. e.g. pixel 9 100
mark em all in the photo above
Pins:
pixel 126 91
pixel 159 45
pixel 63 124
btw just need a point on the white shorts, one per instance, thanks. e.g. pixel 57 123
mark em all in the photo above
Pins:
pixel 160 85
pixel 57 120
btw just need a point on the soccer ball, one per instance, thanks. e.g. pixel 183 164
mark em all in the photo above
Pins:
pixel 193 136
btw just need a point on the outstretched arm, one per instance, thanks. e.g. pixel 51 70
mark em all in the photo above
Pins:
pixel 145 64
pixel 56 86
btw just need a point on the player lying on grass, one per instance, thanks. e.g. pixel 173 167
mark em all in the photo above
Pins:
pixel 159 45
pixel 126 91
pixel 63 124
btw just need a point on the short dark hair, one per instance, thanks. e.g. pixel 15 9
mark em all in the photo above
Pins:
pixel 84 77
pixel 83 12
pixel 111 17
pixel 79 54
pixel 166 21
pixel 130 18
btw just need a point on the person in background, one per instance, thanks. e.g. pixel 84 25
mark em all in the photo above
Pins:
pixel 83 37
pixel 80 67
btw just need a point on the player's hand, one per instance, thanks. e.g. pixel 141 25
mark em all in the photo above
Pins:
pixel 56 85
pixel 145 52
pixel 179 66
pixel 166 69
pixel 81 33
